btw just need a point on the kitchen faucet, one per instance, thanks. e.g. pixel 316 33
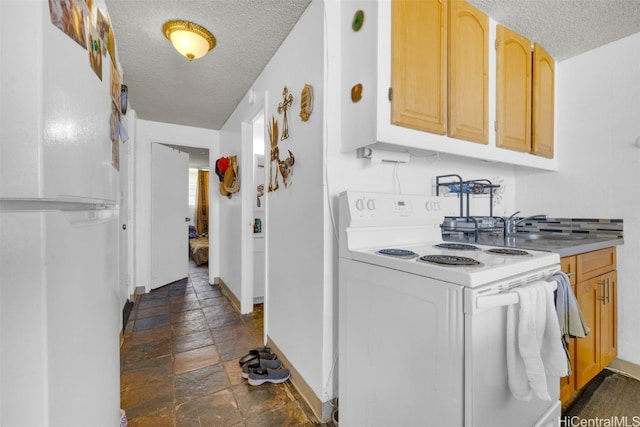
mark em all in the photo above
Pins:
pixel 511 223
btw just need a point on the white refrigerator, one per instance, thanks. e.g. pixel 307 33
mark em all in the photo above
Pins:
pixel 59 313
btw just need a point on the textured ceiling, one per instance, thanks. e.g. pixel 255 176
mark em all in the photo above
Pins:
pixel 165 87
pixel 566 28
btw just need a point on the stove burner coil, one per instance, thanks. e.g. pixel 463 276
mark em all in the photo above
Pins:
pixel 449 260
pixel 457 246
pixel 504 251
pixel 397 253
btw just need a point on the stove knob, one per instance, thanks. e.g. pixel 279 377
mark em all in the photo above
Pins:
pixel 360 204
pixel 432 206
pixel 371 204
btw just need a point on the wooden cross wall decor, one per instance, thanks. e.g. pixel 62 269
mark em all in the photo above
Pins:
pixel 287 100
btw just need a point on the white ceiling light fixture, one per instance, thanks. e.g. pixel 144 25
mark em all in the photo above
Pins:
pixel 191 40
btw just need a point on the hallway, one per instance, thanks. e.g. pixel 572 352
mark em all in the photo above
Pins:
pixel 179 362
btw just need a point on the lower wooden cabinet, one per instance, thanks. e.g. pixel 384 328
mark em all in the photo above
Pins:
pixel 597 299
pixel 596 293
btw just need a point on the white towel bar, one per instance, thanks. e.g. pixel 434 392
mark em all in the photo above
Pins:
pixel 505 298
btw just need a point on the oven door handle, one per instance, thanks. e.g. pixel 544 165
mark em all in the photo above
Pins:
pixel 502 299
pixel 498 300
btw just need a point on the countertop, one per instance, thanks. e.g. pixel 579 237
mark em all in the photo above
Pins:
pixel 562 245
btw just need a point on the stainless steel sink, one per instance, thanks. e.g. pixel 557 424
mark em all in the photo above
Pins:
pixel 545 236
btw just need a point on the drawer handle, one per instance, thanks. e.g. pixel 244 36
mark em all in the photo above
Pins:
pixel 570 274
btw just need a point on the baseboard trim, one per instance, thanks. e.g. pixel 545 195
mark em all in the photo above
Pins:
pixel 301 385
pixel 139 290
pixel 235 302
pixel 629 369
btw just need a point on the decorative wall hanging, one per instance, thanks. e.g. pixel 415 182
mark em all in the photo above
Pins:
pixel 306 102
pixel 227 171
pixel 358 20
pixel 287 100
pixel 275 155
pixel 221 167
pixel 356 93
pixel 260 193
pixel 286 169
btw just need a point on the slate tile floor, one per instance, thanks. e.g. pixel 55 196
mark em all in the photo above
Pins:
pixel 179 363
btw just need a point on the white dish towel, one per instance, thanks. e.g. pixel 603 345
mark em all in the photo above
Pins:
pixel 534 344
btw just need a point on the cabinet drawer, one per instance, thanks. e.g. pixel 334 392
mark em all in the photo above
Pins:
pixel 568 265
pixel 592 264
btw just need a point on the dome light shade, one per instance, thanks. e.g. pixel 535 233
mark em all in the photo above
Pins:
pixel 191 40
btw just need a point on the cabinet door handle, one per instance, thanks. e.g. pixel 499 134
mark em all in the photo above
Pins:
pixel 608 290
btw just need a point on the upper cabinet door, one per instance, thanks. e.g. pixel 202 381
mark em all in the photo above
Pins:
pixel 418 64
pixel 468 72
pixel 543 102
pixel 513 100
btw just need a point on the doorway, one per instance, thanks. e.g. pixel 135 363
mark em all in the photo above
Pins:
pixel 254 213
pixel 173 205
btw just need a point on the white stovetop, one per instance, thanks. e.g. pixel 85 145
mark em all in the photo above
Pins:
pixel 493 267
pixel 373 221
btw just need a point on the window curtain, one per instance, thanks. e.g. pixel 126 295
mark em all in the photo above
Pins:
pixel 202 202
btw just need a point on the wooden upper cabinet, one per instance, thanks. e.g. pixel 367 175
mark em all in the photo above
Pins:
pixel 468 72
pixel 543 102
pixel 513 98
pixel 418 64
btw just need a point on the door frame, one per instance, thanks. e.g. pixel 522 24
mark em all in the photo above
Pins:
pixel 247 168
pixel 144 133
pixel 141 207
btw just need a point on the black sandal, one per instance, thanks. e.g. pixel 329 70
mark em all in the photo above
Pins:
pixel 257 354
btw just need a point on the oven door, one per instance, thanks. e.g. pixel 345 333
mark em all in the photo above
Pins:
pixel 488 400
pixel 400 341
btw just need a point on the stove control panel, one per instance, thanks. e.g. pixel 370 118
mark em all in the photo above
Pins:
pixel 402 207
pixel 382 208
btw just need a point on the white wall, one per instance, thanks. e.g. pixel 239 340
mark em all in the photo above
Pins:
pixel 147 132
pixel 295 309
pixel 598 121
pixel 229 213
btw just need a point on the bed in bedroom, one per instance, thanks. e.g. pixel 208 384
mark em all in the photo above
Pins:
pixel 198 247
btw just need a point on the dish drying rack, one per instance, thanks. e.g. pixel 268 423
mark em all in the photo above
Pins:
pixel 466 224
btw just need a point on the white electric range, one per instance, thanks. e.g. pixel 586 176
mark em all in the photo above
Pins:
pixel 422 322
